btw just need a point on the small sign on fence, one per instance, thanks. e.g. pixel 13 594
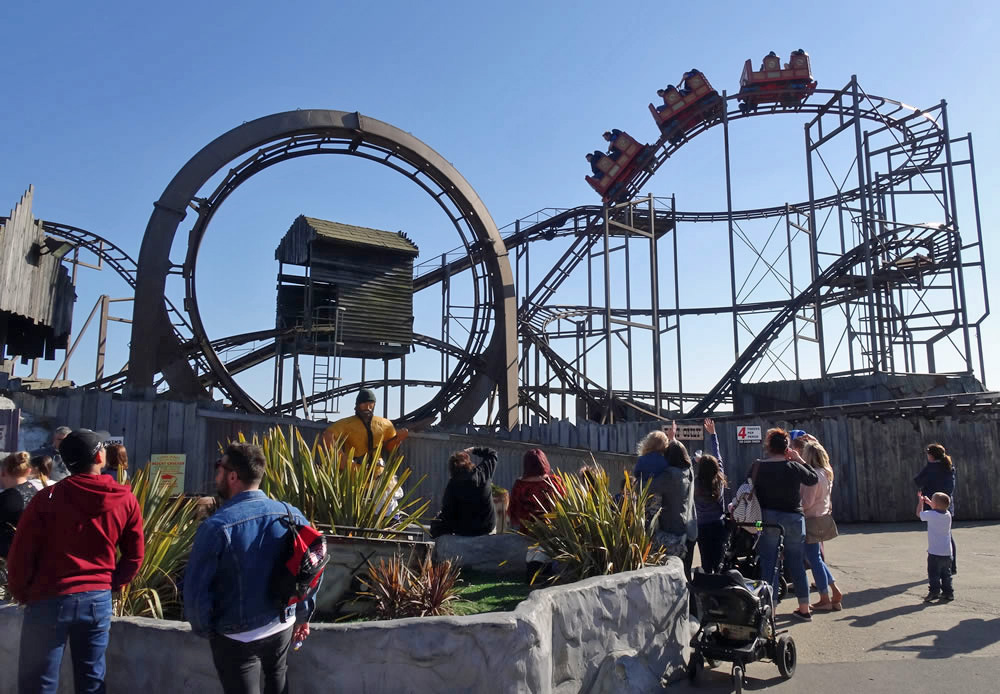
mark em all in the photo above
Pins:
pixel 120 440
pixel 745 434
pixel 690 432
pixel 170 468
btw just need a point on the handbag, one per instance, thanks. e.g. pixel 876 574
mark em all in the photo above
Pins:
pixel 746 507
pixel 820 529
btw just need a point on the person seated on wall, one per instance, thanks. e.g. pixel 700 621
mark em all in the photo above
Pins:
pixel 392 493
pixel 531 496
pixel 532 491
pixel 594 160
pixel 590 476
pixel 363 431
pixel 17 492
pixel 467 506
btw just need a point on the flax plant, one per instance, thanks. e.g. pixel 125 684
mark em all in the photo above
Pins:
pixel 398 591
pixel 345 497
pixel 169 526
pixel 589 532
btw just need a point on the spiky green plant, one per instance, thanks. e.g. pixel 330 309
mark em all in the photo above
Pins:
pixel 169 526
pixel 589 532
pixel 399 591
pixel 344 496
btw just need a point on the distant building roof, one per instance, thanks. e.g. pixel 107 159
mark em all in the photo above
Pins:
pixel 295 245
pixel 361 236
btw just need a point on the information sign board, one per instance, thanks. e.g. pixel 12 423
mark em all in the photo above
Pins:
pixel 748 434
pixel 170 468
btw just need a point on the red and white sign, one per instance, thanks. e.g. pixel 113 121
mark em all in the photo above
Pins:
pixel 745 434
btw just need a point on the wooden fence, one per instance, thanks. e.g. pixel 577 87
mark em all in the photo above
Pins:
pixel 874 460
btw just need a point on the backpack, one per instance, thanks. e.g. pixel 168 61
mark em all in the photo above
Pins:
pixel 299 568
pixel 746 508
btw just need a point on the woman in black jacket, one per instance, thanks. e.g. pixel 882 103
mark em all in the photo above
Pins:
pixel 777 480
pixel 938 475
pixel 467 507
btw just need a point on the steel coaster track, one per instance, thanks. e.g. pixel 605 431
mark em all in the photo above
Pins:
pixel 885 242
pixel 920 132
pixel 918 129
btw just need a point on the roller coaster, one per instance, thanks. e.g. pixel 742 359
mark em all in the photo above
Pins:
pixel 880 283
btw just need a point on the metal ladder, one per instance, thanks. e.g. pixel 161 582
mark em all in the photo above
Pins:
pixel 327 326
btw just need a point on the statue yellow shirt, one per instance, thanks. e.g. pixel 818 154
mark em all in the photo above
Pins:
pixel 352 431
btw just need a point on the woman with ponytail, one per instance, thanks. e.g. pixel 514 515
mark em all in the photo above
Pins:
pixel 938 475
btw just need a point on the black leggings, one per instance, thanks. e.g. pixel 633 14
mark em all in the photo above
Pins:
pixel 688 558
pixel 711 545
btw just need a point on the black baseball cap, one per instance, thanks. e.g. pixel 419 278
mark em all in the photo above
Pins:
pixel 80 447
pixel 365 395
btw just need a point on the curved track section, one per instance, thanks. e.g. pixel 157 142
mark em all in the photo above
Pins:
pixel 912 127
pixel 946 250
pixel 166 342
pixel 278 138
pixel 913 130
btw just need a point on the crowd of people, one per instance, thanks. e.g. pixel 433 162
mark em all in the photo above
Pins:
pixel 687 506
pixel 68 549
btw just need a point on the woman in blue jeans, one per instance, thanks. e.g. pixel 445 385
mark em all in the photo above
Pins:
pixel 779 475
pixel 820 526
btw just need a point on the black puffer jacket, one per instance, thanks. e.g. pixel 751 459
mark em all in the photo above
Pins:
pixel 467 507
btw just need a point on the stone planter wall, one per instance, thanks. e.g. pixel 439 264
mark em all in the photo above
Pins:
pixel 609 634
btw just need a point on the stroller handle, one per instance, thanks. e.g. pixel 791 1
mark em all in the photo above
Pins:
pixel 759 525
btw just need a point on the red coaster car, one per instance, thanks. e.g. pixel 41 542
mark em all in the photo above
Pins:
pixel 788 86
pixel 619 166
pixel 686 107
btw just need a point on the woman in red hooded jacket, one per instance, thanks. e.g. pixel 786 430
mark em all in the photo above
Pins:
pixel 531 493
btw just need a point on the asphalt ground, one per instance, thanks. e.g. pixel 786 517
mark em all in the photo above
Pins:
pixel 887 639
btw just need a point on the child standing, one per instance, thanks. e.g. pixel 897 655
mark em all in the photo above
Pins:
pixel 938 521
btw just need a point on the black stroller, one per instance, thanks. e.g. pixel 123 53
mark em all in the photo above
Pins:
pixel 741 554
pixel 736 622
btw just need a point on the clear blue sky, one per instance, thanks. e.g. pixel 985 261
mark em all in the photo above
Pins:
pixel 105 102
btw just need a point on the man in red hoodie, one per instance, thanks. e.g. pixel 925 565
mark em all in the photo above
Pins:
pixel 62 565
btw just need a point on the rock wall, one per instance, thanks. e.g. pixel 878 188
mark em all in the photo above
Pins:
pixel 503 553
pixel 609 634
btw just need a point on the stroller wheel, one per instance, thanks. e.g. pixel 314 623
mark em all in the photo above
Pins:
pixel 695 667
pixel 738 679
pixel 786 656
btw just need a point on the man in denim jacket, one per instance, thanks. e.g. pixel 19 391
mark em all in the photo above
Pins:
pixel 226 596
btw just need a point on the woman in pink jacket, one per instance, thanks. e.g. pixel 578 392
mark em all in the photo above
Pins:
pixel 818 511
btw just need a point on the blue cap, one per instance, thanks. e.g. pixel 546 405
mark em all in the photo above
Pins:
pixel 795 433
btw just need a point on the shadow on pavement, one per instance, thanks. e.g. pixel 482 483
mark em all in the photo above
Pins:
pixel 861 598
pixel 719 679
pixel 968 636
pixel 872 528
pixel 870 620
